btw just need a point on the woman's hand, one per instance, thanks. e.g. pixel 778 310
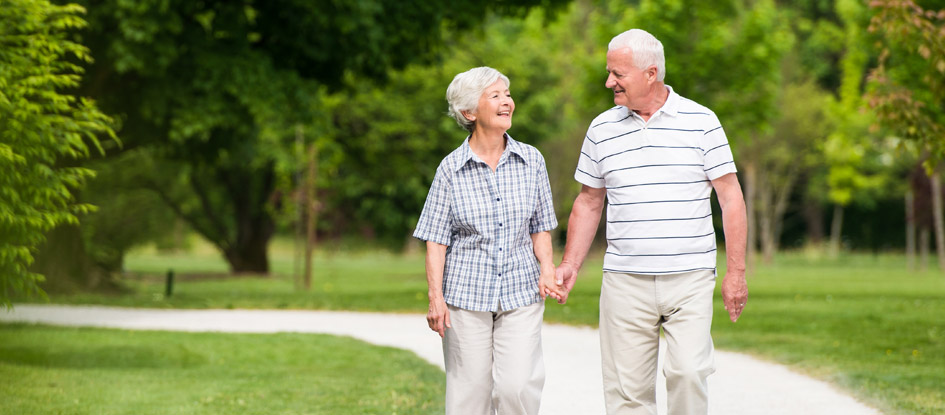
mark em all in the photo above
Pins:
pixel 547 285
pixel 438 318
pixel 566 276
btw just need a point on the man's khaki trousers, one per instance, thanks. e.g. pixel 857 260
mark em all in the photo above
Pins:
pixel 633 308
pixel 494 363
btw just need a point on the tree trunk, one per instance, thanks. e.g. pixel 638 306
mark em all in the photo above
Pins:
pixel 910 230
pixel 924 248
pixel 781 203
pixel 765 219
pixel 814 221
pixel 750 184
pixel 939 220
pixel 249 191
pixel 311 221
pixel 67 265
pixel 836 228
pixel 773 204
pixel 300 197
pixel 249 257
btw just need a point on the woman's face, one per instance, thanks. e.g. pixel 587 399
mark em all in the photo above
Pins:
pixel 495 108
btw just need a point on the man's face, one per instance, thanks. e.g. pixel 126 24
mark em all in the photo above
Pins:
pixel 630 84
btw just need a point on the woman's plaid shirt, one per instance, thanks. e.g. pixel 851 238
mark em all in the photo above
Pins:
pixel 486 219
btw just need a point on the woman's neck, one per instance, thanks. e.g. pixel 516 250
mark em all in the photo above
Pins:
pixel 489 146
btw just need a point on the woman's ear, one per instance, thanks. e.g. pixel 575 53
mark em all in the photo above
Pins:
pixel 469 116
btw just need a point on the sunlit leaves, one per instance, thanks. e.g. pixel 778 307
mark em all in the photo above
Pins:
pixel 41 128
pixel 907 89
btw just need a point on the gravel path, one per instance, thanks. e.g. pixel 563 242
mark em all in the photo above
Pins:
pixel 741 385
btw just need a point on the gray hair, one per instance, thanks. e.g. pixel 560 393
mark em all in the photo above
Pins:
pixel 647 50
pixel 464 92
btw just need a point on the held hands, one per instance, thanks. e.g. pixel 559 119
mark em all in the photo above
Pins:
pixel 565 276
pixel 547 285
pixel 734 294
pixel 438 318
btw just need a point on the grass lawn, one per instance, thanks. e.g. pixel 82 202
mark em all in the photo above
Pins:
pixel 48 370
pixel 861 321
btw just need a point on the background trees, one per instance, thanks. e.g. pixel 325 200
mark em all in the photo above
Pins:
pixel 221 103
pixel 908 87
pixel 43 133
pixel 213 95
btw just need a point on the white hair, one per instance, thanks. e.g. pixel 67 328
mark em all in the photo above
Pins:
pixel 464 92
pixel 646 48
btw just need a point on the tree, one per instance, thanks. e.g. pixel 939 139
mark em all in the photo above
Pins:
pixel 790 153
pixel 43 131
pixel 907 88
pixel 848 148
pixel 548 67
pixel 218 90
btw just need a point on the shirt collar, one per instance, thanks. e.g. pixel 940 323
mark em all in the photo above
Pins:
pixel 511 147
pixel 671 106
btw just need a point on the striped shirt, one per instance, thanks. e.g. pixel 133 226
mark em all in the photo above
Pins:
pixel 486 219
pixel 658 177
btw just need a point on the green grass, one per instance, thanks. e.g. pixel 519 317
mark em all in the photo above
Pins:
pixel 371 281
pixel 49 370
pixel 861 321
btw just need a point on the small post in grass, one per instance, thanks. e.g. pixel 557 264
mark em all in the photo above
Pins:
pixel 169 287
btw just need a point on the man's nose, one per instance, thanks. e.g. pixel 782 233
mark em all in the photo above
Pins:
pixel 610 82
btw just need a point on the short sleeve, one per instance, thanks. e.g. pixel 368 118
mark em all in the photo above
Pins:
pixel 717 156
pixel 588 168
pixel 544 218
pixel 435 224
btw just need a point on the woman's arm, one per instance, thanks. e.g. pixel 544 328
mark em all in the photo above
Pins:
pixel 439 315
pixel 541 242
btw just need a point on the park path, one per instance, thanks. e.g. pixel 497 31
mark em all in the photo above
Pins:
pixel 741 385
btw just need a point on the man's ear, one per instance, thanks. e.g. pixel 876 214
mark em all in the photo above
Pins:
pixel 652 73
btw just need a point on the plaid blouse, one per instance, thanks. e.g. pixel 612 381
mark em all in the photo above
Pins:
pixel 486 219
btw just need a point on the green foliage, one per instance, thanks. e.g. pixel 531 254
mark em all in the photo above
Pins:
pixel 387 141
pixel 851 151
pixel 907 89
pixel 222 93
pixel 727 57
pixel 128 214
pixel 43 131
pixel 50 370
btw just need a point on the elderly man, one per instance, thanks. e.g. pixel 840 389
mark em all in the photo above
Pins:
pixel 656 157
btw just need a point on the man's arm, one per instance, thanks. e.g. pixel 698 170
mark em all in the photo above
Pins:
pixel 735 226
pixel 582 226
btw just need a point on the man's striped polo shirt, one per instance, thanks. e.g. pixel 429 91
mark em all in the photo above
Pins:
pixel 657 175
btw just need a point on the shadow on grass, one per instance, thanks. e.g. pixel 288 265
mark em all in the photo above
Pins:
pixel 76 355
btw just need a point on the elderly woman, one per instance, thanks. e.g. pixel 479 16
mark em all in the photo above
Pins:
pixel 486 224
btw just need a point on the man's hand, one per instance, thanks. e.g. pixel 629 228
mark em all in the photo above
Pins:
pixel 734 294
pixel 735 225
pixel 438 318
pixel 565 276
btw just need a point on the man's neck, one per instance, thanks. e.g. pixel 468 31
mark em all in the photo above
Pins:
pixel 659 94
